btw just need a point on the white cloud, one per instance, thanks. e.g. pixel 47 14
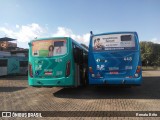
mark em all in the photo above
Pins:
pixel 25 33
pixel 65 32
pixel 17 26
pixel 155 40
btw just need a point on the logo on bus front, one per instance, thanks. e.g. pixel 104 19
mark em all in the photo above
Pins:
pixel 100 67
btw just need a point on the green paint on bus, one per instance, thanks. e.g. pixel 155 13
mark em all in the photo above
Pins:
pixel 53 62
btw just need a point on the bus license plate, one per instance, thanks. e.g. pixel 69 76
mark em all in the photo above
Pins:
pixel 113 72
pixel 48 73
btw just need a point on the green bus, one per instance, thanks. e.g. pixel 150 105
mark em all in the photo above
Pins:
pixel 57 61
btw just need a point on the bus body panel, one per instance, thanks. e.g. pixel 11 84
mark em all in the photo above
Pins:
pixel 43 78
pixel 115 67
pixel 23 65
pixel 13 66
pixel 10 65
pixel 51 71
pixel 59 82
pixel 116 81
pixel 23 70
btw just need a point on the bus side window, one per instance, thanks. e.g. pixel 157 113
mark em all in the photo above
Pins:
pixel 81 60
pixel 75 53
pixel 3 63
pixel 85 60
pixel 78 55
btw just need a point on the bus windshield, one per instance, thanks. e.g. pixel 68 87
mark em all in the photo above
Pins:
pixel 113 42
pixel 49 48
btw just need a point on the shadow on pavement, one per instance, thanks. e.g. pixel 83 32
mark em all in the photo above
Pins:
pixel 150 89
pixel 13 77
pixel 11 89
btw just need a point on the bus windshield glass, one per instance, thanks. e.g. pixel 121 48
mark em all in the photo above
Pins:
pixel 113 42
pixel 49 48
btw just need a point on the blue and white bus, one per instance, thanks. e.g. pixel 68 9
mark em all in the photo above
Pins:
pixel 114 59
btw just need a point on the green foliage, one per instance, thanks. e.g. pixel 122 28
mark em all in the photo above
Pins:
pixel 150 53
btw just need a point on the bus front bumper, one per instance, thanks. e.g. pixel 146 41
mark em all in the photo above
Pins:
pixel 116 81
pixel 51 82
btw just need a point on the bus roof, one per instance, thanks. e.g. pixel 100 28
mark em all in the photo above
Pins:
pixel 122 32
pixel 79 45
pixel 48 38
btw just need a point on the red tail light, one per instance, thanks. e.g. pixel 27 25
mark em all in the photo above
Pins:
pixel 138 69
pixel 30 70
pixel 90 70
pixel 68 66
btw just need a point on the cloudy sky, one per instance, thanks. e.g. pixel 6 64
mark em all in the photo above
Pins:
pixel 27 19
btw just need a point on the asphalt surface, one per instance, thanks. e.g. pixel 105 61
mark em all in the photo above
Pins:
pixel 16 95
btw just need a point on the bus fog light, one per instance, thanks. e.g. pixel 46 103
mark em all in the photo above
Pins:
pixel 136 75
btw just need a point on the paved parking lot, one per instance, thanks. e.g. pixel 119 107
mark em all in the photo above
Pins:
pixel 16 95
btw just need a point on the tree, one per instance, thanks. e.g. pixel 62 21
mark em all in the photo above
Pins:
pixel 150 53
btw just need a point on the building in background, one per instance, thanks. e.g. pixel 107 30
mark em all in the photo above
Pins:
pixel 8 47
pixel 13 60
